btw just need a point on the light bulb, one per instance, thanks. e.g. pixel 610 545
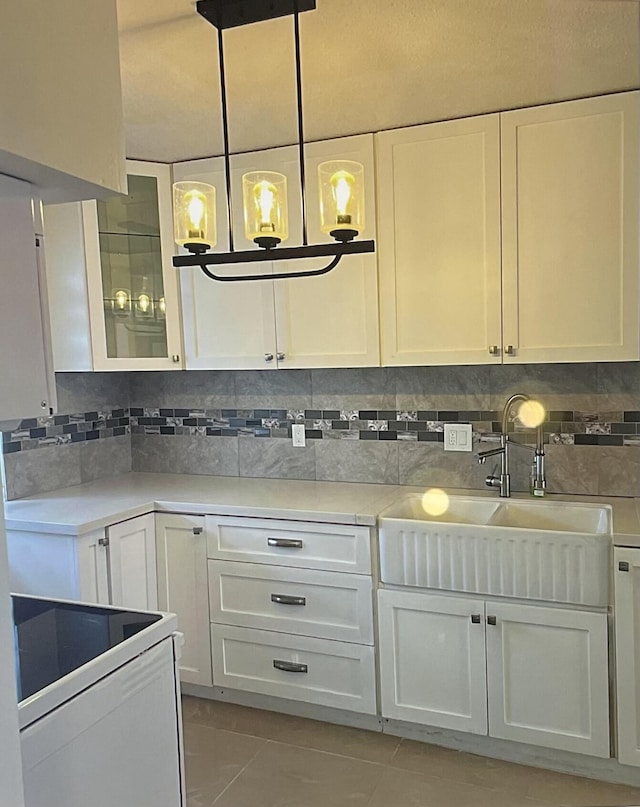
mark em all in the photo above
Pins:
pixel 144 303
pixel 265 195
pixel 162 305
pixel 196 204
pixel 435 502
pixel 121 300
pixel 342 183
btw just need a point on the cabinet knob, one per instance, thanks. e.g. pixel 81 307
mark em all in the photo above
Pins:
pixel 492 620
pixel 197 530
pixel 103 542
pixel 268 356
pixel 509 350
pixel 494 350
pixel 175 358
pixel 43 404
pixel 281 356
pixel 623 566
pixel 475 618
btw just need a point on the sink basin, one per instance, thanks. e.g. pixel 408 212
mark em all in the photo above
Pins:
pixel 459 509
pixel 539 550
pixel 556 517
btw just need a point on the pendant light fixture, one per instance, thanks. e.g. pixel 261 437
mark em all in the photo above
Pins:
pixel 264 193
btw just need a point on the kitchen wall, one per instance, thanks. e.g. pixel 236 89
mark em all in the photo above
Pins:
pixel 381 425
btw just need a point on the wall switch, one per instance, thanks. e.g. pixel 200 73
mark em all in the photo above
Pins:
pixel 298 436
pixel 458 437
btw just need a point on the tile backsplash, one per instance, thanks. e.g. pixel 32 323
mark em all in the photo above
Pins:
pixel 367 425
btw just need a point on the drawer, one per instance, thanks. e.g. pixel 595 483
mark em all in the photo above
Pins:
pixel 290 543
pixel 320 671
pixel 328 605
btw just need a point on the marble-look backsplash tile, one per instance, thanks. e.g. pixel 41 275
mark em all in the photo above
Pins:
pixel 368 424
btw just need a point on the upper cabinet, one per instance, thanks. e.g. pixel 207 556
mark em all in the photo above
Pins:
pixel 28 384
pixel 570 193
pixel 109 266
pixel 328 321
pixel 512 237
pixel 439 246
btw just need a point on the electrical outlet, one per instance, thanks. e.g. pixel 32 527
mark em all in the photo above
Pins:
pixel 297 435
pixel 458 437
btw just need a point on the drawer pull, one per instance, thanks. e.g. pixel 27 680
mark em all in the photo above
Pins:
pixel 286 599
pixel 290 666
pixel 285 543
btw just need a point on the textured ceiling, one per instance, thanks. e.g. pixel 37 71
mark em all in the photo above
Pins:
pixel 367 65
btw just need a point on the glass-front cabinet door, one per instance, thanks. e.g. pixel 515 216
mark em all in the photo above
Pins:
pixel 131 283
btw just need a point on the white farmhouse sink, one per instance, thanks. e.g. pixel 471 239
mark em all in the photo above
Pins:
pixel 550 551
pixel 556 517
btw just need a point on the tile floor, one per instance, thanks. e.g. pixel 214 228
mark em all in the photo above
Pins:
pixel 239 757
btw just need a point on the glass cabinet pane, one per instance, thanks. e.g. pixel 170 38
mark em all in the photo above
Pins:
pixel 131 264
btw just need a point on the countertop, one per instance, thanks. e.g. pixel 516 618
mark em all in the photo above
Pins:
pixel 83 508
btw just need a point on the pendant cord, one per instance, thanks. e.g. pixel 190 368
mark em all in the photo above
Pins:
pixel 296 30
pixel 225 135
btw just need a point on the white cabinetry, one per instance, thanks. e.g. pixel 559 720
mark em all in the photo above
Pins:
pixel 627 622
pixel 439 244
pixel 28 386
pixel 113 566
pixel 330 321
pixel 283 630
pixel 109 268
pixel 547 196
pixel 518 672
pixel 182 589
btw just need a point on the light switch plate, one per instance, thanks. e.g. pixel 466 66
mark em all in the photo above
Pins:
pixel 297 435
pixel 458 437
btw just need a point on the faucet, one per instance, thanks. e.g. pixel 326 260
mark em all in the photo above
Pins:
pixel 503 481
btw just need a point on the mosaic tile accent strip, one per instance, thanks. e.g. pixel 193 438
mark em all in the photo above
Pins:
pixel 561 427
pixel 56 430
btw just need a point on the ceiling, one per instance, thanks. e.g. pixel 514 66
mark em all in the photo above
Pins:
pixel 367 65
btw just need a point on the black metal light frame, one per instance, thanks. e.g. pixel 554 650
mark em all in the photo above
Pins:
pixel 224 14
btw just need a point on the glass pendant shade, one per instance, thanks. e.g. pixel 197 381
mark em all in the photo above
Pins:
pixel 194 215
pixel 341 184
pixel 264 196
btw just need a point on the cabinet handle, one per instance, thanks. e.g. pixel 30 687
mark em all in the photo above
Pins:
pixel 491 620
pixel 285 543
pixel 197 530
pixel 494 350
pixel 475 618
pixel 286 599
pixel 103 542
pixel 623 566
pixel 175 358
pixel 509 350
pixel 290 666
pixel 268 356
pixel 281 356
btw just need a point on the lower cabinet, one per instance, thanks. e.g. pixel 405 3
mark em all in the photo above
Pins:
pixel 182 589
pixel 627 622
pixel 112 566
pixel 516 672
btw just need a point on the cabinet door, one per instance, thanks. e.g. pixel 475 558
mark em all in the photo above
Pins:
pixel 432 660
pixel 439 242
pixel 131 283
pixel 328 321
pixel 226 325
pixel 93 568
pixel 182 589
pixel 24 391
pixel 570 185
pixel 547 672
pixel 627 622
pixel 132 563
